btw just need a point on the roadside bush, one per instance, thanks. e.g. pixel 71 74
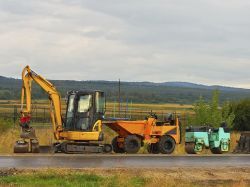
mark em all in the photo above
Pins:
pixel 242 115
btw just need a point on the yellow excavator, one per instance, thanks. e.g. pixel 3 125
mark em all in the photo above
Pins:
pixel 81 129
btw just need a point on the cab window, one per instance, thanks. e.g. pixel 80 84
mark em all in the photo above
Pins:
pixel 84 103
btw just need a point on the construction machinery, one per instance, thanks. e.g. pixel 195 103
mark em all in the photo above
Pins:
pixel 161 136
pixel 215 139
pixel 81 129
pixel 243 145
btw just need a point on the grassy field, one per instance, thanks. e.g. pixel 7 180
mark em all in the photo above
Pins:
pixel 232 177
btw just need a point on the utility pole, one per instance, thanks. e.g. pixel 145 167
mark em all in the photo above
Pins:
pixel 119 97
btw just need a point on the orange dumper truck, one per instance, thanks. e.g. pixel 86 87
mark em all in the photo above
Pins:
pixel 160 136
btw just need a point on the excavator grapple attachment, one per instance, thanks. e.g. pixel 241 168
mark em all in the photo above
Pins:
pixel 28 133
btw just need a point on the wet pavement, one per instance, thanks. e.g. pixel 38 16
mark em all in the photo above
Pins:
pixel 121 161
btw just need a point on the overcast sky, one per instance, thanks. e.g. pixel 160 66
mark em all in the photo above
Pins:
pixel 200 41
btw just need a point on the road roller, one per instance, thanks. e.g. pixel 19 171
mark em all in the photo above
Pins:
pixel 199 138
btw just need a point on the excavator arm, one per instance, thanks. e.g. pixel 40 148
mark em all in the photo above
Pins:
pixel 55 110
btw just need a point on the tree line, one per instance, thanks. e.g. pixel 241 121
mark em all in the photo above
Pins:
pixel 235 114
pixel 137 92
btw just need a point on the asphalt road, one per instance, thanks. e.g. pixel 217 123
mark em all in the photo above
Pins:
pixel 121 161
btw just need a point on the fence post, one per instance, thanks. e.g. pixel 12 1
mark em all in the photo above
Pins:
pixel 36 112
pixel 44 115
pixel 14 115
pixel 114 110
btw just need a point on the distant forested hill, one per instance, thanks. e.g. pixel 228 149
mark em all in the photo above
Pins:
pixel 142 92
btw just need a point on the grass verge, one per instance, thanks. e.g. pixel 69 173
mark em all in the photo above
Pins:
pixel 67 178
pixel 127 177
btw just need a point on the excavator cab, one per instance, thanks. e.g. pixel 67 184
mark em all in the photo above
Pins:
pixel 82 125
pixel 84 108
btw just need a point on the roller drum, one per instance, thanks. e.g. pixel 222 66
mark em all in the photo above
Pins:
pixel 190 148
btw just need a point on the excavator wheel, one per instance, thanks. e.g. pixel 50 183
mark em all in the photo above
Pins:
pixel 34 146
pixel 153 148
pixel 166 145
pixel 115 146
pixel 132 144
pixel 21 146
pixel 190 148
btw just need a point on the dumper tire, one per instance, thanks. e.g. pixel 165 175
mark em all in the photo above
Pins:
pixel 132 144
pixel 153 148
pixel 115 146
pixel 166 144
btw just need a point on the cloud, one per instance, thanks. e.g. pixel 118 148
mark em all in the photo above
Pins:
pixel 199 41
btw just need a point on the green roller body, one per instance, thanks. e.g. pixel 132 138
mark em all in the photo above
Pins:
pixel 196 139
pixel 219 139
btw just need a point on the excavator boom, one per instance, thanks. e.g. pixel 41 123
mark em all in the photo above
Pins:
pixel 55 110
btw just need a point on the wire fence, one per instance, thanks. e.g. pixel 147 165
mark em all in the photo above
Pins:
pixel 41 114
